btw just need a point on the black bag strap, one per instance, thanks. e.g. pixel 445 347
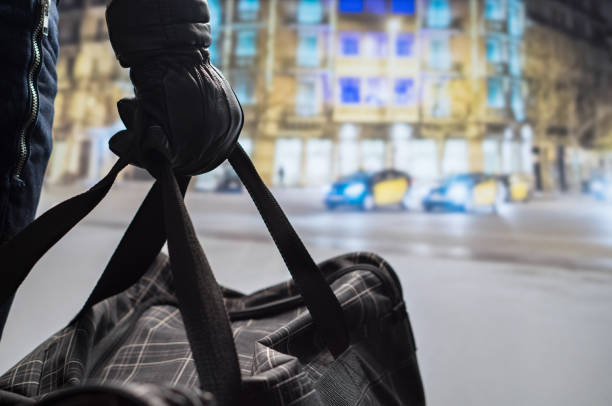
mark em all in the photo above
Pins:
pixel 146 235
pixel 19 255
pixel 200 299
pixel 318 296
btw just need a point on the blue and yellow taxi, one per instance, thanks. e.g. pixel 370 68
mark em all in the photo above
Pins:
pixel 465 192
pixel 367 191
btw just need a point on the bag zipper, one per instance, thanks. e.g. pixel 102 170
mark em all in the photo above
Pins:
pixel 41 30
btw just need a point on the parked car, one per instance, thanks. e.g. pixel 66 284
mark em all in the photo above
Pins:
pixel 601 188
pixel 465 192
pixel 370 190
pixel 517 187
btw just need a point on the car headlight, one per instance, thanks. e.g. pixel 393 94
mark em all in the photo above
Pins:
pixel 458 193
pixel 354 190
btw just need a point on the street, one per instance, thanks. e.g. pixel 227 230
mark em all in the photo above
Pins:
pixel 508 308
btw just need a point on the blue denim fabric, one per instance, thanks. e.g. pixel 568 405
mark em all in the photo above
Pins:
pixel 19 196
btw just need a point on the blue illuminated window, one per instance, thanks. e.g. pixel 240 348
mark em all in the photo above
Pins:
pixel 516 18
pixel 310 12
pixel 515 62
pixel 403 92
pixel 404 45
pixel 494 49
pixel 402 6
pixel 349 90
pixel 245 90
pixel 248 9
pixel 495 93
pixel 517 102
pixel 494 9
pixel 308 52
pixel 439 14
pixel 246 46
pixel 351 6
pixel 375 6
pixel 349 44
pixel 439 53
pixel 375 92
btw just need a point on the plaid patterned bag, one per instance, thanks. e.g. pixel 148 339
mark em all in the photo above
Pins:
pixel 160 331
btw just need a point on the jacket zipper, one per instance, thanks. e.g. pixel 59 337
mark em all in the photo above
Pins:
pixel 41 29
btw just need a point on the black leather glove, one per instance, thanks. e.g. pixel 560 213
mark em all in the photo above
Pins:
pixel 184 108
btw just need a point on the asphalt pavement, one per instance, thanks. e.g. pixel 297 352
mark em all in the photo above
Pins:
pixel 512 308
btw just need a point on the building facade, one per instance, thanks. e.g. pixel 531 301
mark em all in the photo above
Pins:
pixel 432 87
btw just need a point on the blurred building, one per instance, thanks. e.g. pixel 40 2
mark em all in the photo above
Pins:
pixel 431 87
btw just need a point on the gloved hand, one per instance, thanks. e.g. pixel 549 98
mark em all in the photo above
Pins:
pixel 184 108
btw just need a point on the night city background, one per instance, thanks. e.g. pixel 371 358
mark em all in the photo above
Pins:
pixel 469 142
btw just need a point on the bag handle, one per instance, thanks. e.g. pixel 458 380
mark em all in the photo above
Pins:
pixel 148 236
pixel 200 299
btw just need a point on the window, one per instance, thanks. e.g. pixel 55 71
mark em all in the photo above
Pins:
pixel 349 91
pixel 491 155
pixel 310 12
pixel 495 93
pixel 245 90
pixel 404 92
pixel 438 14
pixel 372 154
pixel 248 9
pixel 439 53
pixel 404 45
pixel 375 92
pixel 351 6
pixel 441 105
pixel 318 161
pixel 515 60
pixel 494 49
pixel 246 46
pixel 495 9
pixel 306 98
pixel 402 6
pixel 424 158
pixel 215 22
pixel 516 18
pixel 349 44
pixel 375 45
pixel 308 51
pixel 375 6
pixel 288 162
pixel 455 158
pixel 516 100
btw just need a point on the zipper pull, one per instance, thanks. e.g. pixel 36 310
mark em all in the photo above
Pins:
pixel 45 6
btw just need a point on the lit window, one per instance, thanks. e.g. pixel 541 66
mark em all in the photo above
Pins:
pixel 246 46
pixel 438 14
pixel 494 49
pixel 306 98
pixel 248 9
pixel 441 106
pixel 375 92
pixel 308 52
pixel 516 101
pixel 515 59
pixel 310 12
pixel 215 22
pixel 495 93
pixel 351 6
pixel 349 44
pixel 494 9
pixel 349 90
pixel 404 45
pixel 402 6
pixel 403 92
pixel 375 45
pixel 516 18
pixel 439 53
pixel 375 6
pixel 244 87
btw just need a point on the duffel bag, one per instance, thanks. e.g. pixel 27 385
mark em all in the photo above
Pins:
pixel 160 331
